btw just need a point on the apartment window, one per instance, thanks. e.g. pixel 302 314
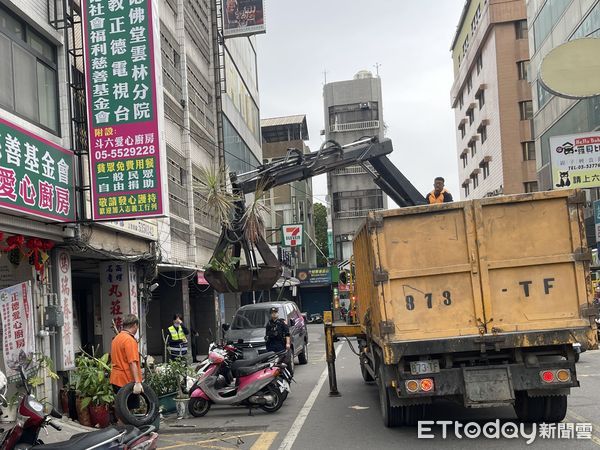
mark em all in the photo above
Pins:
pixel 547 18
pixel 466 189
pixel 479 63
pixel 469 83
pixel 476 18
pixel 521 29
pixel 528 150
pixel 301 211
pixel 523 69
pixel 475 179
pixel 481 98
pixel 465 159
pixel 465 46
pixel 471 115
pixel 461 128
pixel 485 169
pixel 28 74
pixel 482 130
pixel 530 186
pixel 473 148
pixel 461 100
pixel 526 110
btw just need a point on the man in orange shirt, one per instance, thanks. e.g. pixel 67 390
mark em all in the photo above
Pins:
pixel 439 193
pixel 125 357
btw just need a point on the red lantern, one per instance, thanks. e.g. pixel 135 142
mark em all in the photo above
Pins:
pixel 47 245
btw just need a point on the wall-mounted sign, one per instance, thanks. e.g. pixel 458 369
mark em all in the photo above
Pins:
pixel 18 335
pixel 64 292
pixel 36 176
pixel 320 275
pixel 122 59
pixel 243 17
pixel 292 235
pixel 575 160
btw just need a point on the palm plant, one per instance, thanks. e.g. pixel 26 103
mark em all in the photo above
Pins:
pixel 253 219
pixel 211 185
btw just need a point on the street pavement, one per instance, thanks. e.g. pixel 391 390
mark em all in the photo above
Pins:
pixel 311 419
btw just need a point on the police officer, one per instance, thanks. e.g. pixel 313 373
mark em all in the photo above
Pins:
pixel 177 342
pixel 278 333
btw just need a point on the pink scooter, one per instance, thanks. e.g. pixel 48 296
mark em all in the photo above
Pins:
pixel 261 384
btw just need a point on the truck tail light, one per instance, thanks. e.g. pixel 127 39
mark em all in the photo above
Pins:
pixel 556 376
pixel 426 384
pixel 422 385
pixel 547 376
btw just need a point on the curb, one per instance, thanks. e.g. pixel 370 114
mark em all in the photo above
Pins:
pixel 170 429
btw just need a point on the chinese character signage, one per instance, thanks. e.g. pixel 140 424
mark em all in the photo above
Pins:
pixel 292 235
pixel 314 276
pixel 243 17
pixel 123 108
pixel 117 296
pixel 18 336
pixel 36 176
pixel 66 341
pixel 575 160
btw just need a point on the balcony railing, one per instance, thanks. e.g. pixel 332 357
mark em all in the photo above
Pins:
pixel 354 126
pixel 351 170
pixel 354 214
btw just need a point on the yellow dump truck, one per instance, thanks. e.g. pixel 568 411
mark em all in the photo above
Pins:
pixel 478 301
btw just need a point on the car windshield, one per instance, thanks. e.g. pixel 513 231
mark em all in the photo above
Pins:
pixel 252 318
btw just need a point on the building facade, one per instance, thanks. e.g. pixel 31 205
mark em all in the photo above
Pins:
pixel 291 203
pixel 553 23
pixel 353 110
pixel 491 98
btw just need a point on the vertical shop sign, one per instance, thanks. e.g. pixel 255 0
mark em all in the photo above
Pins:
pixel 66 341
pixel 18 335
pixel 123 97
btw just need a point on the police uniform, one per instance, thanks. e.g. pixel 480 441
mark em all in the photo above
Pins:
pixel 177 344
pixel 277 331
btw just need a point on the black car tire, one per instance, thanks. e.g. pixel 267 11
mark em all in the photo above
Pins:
pixel 122 410
pixel 303 355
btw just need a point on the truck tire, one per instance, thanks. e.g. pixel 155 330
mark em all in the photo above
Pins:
pixel 530 409
pixel 365 373
pixel 122 410
pixel 392 415
pixel 556 408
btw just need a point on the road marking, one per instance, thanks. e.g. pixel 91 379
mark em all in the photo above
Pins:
pixel 200 443
pixel 291 436
pixel 264 441
pixel 578 418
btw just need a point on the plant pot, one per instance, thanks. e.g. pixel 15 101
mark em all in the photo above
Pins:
pixel 167 402
pixel 181 405
pixel 64 401
pixel 100 415
pixel 83 414
pixel 247 279
pixel 9 414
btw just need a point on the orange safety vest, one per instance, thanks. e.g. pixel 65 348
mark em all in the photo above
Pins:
pixel 439 199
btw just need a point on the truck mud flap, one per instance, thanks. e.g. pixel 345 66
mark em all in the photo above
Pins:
pixel 488 387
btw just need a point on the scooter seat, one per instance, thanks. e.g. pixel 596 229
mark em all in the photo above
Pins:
pixel 83 441
pixel 243 371
pixel 252 361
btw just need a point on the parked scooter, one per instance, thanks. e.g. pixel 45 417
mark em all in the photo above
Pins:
pixel 261 382
pixel 31 419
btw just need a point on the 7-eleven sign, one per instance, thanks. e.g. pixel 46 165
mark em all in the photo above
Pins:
pixel 292 235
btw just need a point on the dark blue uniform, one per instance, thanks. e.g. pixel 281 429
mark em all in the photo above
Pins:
pixel 277 331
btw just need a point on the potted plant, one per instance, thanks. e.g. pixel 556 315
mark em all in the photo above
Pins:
pixel 164 381
pixel 9 413
pixel 93 384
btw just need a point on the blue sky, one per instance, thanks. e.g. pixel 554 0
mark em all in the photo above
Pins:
pixel 409 39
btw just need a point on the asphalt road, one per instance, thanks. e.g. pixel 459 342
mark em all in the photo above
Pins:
pixel 310 419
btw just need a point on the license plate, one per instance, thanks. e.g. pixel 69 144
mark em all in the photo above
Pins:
pixel 423 367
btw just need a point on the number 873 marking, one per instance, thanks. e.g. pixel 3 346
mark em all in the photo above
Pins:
pixel 410 300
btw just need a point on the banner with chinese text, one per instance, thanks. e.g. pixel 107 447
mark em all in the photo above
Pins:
pixel 68 338
pixel 243 17
pixel 122 60
pixel 36 176
pixel 118 296
pixel 575 160
pixel 18 335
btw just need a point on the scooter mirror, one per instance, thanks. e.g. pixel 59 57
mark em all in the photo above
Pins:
pixel 54 413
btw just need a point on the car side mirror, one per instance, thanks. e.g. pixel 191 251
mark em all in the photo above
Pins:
pixel 292 322
pixel 225 326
